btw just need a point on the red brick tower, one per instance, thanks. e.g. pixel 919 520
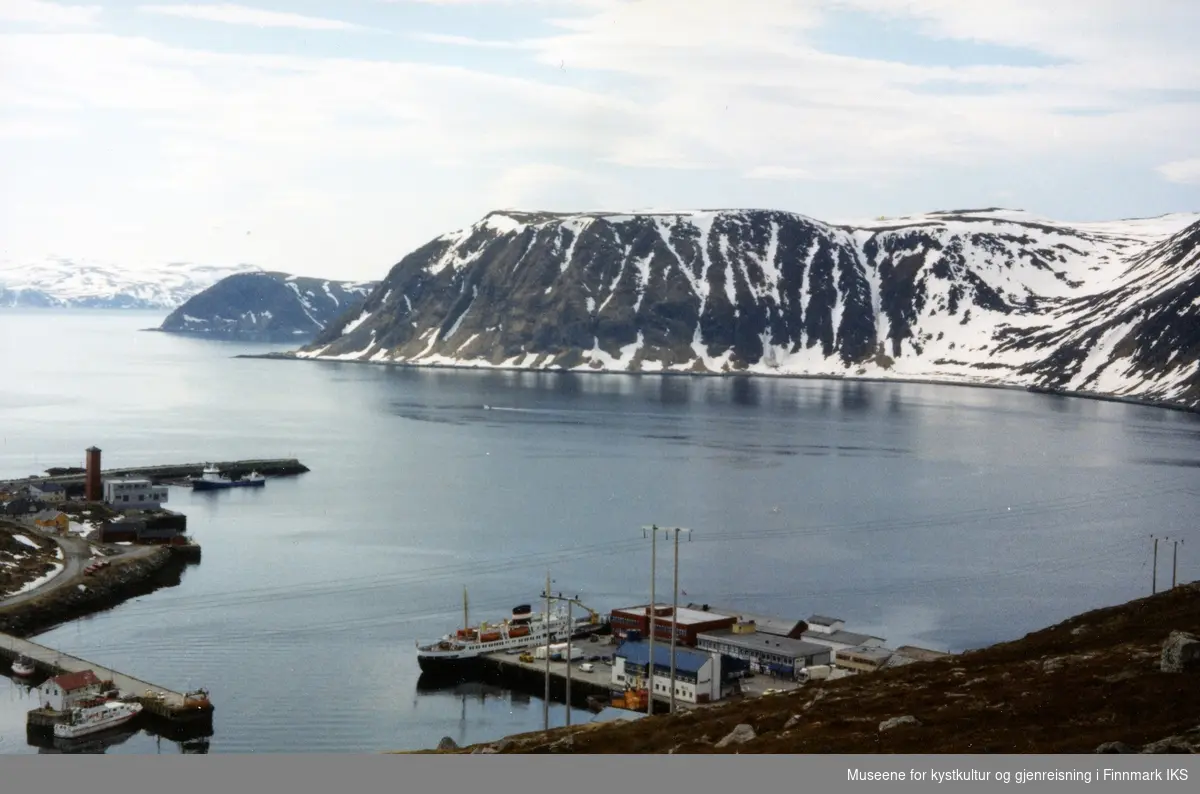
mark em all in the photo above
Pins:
pixel 92 489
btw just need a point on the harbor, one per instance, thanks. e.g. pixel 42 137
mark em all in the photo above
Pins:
pixel 104 535
pixel 623 659
pixel 172 473
pixel 192 709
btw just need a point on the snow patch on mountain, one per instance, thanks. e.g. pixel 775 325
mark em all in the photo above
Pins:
pixel 984 296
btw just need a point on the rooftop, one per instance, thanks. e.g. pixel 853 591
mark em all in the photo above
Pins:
pixel 840 637
pixel 765 642
pixel 69 682
pixel 919 654
pixel 778 626
pixel 685 661
pixel 48 487
pixel 866 652
pixel 821 620
pixel 686 617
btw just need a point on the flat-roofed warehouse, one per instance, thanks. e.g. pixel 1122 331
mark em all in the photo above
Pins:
pixel 780 655
pixel 780 627
pixel 689 622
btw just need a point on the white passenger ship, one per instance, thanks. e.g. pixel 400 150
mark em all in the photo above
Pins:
pixel 457 652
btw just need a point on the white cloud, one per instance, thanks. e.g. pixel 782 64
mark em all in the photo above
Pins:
pixel 46 14
pixel 231 14
pixel 352 159
pixel 1184 172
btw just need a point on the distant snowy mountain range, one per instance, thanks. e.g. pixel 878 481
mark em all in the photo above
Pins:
pixel 982 296
pixel 68 283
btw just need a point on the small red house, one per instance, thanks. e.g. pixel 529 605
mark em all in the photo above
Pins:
pixel 62 692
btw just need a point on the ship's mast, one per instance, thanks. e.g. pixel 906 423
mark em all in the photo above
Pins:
pixel 466 617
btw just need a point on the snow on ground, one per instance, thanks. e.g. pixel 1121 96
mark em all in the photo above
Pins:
pixel 75 528
pixel 26 541
pixel 58 551
pixel 41 580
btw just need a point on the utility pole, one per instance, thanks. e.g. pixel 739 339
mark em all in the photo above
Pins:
pixel 570 601
pixel 546 700
pixel 1175 563
pixel 654 530
pixel 650 615
pixel 570 631
pixel 1154 577
pixel 675 610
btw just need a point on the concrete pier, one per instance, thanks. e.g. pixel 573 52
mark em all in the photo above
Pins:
pixel 268 467
pixel 167 704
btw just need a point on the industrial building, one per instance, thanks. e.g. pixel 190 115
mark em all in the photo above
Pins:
pixel 134 493
pixel 699 677
pixel 862 659
pixel 141 527
pixel 780 627
pixel 770 653
pixel 689 623
pixel 842 639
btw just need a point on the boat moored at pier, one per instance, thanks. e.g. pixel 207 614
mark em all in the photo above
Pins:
pixel 211 479
pixel 462 650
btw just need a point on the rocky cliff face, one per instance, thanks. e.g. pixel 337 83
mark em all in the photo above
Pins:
pixel 269 307
pixel 983 295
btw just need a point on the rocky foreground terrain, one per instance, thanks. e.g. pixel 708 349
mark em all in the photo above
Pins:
pixel 1120 679
pixel 25 557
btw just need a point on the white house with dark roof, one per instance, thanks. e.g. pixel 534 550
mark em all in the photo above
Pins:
pixel 48 492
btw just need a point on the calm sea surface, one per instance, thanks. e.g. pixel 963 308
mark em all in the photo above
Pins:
pixel 942 516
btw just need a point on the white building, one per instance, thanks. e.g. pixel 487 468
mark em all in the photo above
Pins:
pixel 134 494
pixel 49 492
pixel 765 652
pixel 64 691
pixel 820 624
pixel 697 675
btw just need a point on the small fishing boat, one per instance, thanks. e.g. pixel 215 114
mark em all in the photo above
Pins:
pixel 23 667
pixel 211 479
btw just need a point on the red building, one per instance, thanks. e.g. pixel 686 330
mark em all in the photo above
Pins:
pixel 689 623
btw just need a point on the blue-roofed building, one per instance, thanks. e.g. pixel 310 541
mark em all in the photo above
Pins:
pixel 699 677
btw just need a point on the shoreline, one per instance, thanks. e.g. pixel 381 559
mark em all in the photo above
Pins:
pixel 1142 402
pixel 106 589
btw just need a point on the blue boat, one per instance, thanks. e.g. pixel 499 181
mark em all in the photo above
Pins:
pixel 211 479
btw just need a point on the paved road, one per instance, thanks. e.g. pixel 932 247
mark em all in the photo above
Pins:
pixel 76 555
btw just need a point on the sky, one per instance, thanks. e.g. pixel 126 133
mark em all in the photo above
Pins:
pixel 331 138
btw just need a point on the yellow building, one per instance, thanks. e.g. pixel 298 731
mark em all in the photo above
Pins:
pixel 53 520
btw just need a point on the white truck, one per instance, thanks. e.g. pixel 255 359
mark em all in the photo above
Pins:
pixel 818 672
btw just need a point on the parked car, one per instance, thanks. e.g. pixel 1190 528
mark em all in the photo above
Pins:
pixel 586 667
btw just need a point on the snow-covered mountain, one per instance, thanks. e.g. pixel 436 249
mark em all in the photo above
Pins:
pixel 986 295
pixel 67 283
pixel 272 307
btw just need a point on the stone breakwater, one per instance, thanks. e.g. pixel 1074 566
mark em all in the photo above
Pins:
pixel 105 589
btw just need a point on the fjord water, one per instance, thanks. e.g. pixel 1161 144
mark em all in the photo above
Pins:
pixel 942 516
